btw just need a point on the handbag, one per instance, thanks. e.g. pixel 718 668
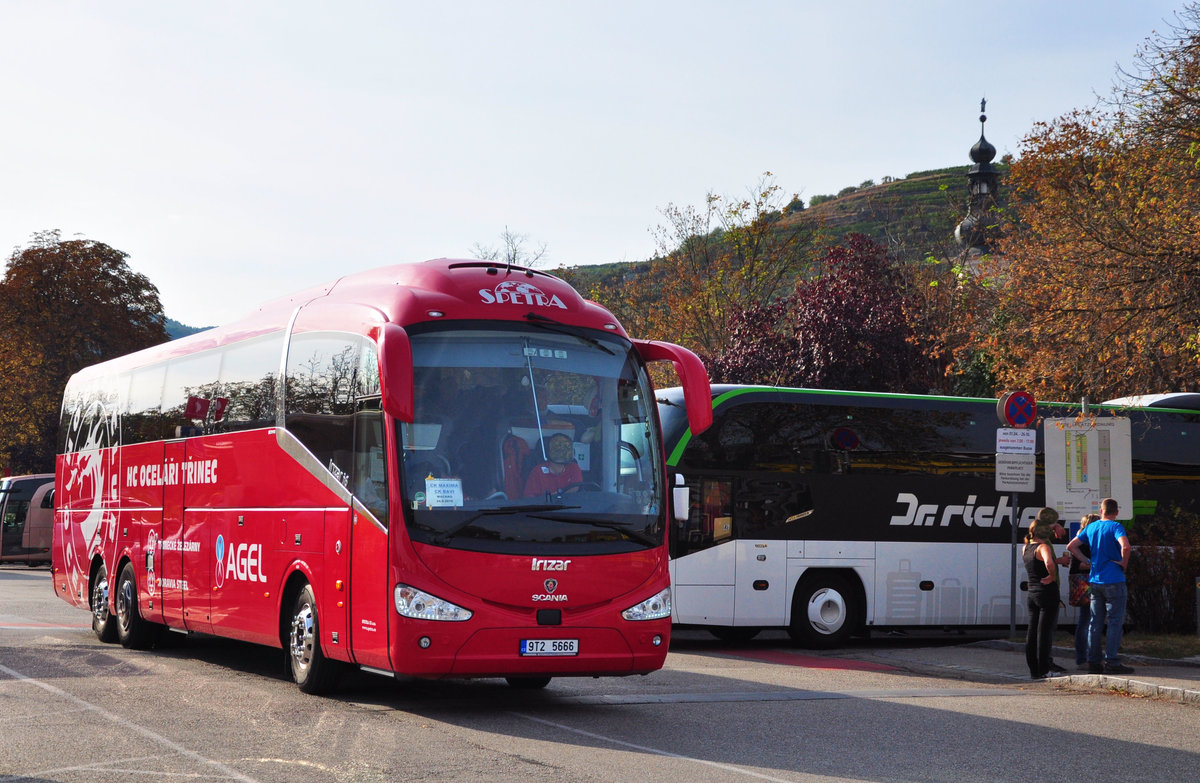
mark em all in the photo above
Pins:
pixel 1079 590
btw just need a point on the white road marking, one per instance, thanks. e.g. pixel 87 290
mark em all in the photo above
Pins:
pixel 656 751
pixel 117 719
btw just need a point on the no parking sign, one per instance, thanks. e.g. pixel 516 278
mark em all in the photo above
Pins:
pixel 1017 409
pixel 1016 460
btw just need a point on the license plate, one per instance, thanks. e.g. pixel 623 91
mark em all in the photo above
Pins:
pixel 549 647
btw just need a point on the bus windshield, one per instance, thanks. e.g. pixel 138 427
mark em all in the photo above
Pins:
pixel 530 439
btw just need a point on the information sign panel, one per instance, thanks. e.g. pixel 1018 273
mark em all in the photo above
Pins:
pixel 1016 472
pixel 1088 460
pixel 1014 441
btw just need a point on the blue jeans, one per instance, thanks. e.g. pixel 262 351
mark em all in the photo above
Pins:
pixel 1108 605
pixel 1083 628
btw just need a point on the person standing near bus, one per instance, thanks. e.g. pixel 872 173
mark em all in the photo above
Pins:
pixel 1042 596
pixel 1080 598
pixel 1109 546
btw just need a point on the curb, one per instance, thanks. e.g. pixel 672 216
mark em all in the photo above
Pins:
pixel 1108 682
pixel 1128 686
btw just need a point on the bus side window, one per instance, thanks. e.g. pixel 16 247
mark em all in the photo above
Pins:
pixel 319 393
pixel 369 475
pixel 189 379
pixel 710 517
pixel 15 513
pixel 248 381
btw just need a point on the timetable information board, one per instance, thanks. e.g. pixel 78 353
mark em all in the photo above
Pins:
pixel 1086 461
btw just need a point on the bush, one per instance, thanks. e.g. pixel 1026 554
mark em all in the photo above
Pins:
pixel 1162 577
pixel 1162 589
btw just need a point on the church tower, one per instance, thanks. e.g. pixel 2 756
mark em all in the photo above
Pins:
pixel 982 182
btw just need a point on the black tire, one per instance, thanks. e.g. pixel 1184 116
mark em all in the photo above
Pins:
pixel 312 671
pixel 825 611
pixel 133 632
pixel 104 622
pixel 528 683
pixel 733 633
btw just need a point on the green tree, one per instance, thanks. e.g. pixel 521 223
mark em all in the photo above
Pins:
pixel 64 304
pixel 715 260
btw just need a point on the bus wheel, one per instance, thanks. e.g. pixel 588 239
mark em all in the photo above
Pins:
pixel 528 683
pixel 103 622
pixel 311 670
pixel 824 611
pixel 132 631
pixel 734 633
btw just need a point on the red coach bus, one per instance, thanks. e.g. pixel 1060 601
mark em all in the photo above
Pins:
pixel 446 469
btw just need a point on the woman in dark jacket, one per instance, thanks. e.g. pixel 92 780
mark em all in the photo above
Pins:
pixel 1042 598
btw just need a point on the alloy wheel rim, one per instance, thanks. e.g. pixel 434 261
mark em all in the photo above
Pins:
pixel 302 637
pixel 100 598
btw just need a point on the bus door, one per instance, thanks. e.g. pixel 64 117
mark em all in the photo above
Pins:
pixel 199 553
pixel 167 558
pixel 704 555
pixel 369 595
pixel 767 506
pixel 140 529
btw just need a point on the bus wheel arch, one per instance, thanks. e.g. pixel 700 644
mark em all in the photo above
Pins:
pixel 827 607
pixel 104 622
pixel 310 669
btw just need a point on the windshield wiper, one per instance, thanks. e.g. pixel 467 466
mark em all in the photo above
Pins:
pixel 555 326
pixel 445 536
pixel 630 533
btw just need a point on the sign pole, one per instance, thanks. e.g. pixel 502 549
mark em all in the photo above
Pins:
pixel 1016 470
pixel 1012 584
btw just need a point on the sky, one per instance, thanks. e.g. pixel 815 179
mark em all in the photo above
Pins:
pixel 239 151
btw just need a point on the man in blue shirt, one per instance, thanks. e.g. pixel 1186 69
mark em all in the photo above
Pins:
pixel 1110 557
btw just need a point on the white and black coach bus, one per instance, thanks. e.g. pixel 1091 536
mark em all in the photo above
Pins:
pixel 828 513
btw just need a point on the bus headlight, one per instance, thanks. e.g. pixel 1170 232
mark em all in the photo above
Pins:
pixel 654 608
pixel 419 605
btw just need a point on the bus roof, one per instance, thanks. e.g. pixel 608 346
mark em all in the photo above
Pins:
pixel 671 397
pixel 1178 400
pixel 438 289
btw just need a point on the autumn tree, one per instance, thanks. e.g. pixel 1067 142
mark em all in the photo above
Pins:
pixel 716 260
pixel 843 329
pixel 941 304
pixel 64 304
pixel 1095 288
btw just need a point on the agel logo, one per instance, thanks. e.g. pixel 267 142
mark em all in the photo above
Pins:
pixel 242 562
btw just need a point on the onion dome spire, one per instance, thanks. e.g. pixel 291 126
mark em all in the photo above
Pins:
pixel 983 151
pixel 982 184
